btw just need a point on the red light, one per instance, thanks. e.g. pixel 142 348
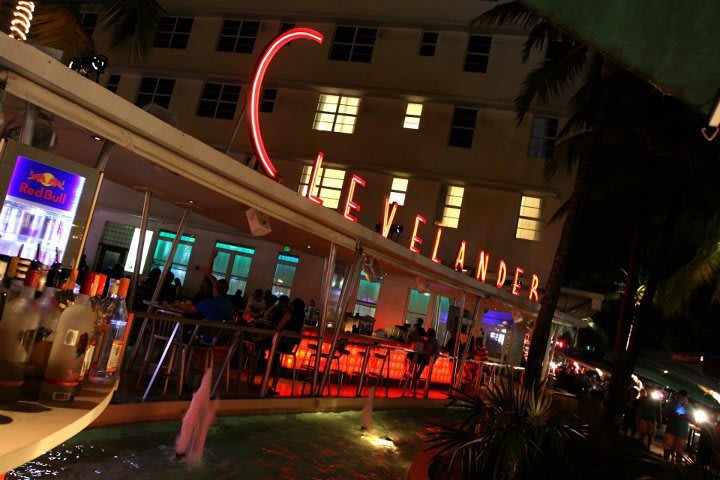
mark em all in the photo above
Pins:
pixel 460 258
pixel 483 260
pixel 516 281
pixel 502 274
pixel 560 343
pixel 388 216
pixel 438 234
pixel 533 288
pixel 313 180
pixel 256 88
pixel 414 239
pixel 349 203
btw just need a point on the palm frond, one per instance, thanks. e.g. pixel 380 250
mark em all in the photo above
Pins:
pixel 550 79
pixel 511 13
pixel 134 22
pixel 57 25
pixel 543 33
pixel 568 152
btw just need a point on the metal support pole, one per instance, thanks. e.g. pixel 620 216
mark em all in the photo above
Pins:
pixel 226 363
pixel 348 289
pixel 140 248
pixel 426 392
pixel 100 165
pixel 241 117
pixel 162 359
pixel 363 368
pixel 324 306
pixel 268 367
pixel 28 126
pixel 458 332
pixel 458 379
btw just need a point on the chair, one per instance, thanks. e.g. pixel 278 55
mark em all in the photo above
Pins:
pixel 378 368
pixel 340 351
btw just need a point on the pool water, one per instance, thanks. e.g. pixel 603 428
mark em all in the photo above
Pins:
pixel 292 447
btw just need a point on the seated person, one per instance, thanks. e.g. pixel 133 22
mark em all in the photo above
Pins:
pixel 431 350
pixel 276 313
pixel 415 338
pixel 217 306
pixel 292 321
pixel 268 303
pixel 254 307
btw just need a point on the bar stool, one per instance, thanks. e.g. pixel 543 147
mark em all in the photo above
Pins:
pixel 279 358
pixel 340 351
pixel 379 363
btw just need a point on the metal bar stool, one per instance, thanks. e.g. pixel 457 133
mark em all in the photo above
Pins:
pixel 382 361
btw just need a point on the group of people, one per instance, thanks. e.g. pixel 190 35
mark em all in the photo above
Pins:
pixel 426 348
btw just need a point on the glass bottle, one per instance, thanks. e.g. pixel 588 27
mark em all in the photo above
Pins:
pixel 96 303
pixel 117 319
pixel 4 260
pixel 94 306
pixel 75 327
pixel 17 334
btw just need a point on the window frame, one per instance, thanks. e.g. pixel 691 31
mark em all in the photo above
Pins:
pixel 448 205
pixel 342 48
pixel 267 104
pixel 321 186
pixel 113 86
pixel 456 139
pixel 280 288
pixel 415 315
pixel 365 302
pixel 477 61
pixel 233 250
pixel 248 46
pixel 542 146
pixel 173 38
pixel 399 193
pixel 155 96
pixel 427 48
pixel 168 236
pixel 342 110
pixel 218 102
pixel 411 121
pixel 526 217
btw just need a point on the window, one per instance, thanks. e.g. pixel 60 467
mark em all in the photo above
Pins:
pixel 173 32
pixel 285 26
pixel 412 115
pixel 478 53
pixel 89 22
pixel 428 44
pixel 417 307
pixel 353 44
pixel 452 207
pixel 336 113
pixel 367 296
pixel 529 224
pixel 398 189
pixel 495 343
pixel 442 312
pixel 329 185
pixel 155 90
pixel 284 274
pixel 462 129
pixel 113 83
pixel 218 100
pixel 180 261
pixel 238 36
pixel 267 102
pixel 542 137
pixel 233 263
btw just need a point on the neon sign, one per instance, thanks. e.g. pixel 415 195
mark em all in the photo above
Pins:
pixel 350 204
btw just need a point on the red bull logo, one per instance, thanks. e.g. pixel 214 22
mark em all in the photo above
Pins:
pixel 46 179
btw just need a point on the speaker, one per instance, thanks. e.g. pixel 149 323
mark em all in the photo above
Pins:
pixel 259 222
pixel 422 285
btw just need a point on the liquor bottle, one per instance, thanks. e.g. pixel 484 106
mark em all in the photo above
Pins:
pixel 75 326
pixel 17 335
pixel 4 260
pixel 116 316
pixel 96 303
pixel 49 316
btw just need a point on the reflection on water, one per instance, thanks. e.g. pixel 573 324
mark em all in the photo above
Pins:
pixel 292 447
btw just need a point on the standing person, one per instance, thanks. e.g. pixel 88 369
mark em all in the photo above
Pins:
pixel 648 415
pixel 431 348
pixel 629 422
pixel 678 414
pixel 238 302
pixel 178 289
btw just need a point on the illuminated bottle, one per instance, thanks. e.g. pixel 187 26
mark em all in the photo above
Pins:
pixel 95 304
pixel 116 316
pixel 17 335
pixel 74 330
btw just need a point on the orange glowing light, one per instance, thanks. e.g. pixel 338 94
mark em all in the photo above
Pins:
pixel 349 203
pixel 502 274
pixel 483 260
pixel 414 239
pixel 460 258
pixel 533 288
pixel 388 216
pixel 256 89
pixel 438 234
pixel 516 281
pixel 313 180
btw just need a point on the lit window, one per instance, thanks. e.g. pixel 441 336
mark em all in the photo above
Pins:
pixel 113 83
pixel 336 113
pixel 284 274
pixel 367 297
pixel 233 263
pixel 398 189
pixel 173 32
pixel 89 22
pixel 180 261
pixel 495 343
pixel 412 116
pixel 452 207
pixel 267 101
pixel 428 44
pixel 542 137
pixel 529 224
pixel 218 101
pixel 418 305
pixel 155 90
pixel 478 53
pixel 353 44
pixel 132 253
pixel 328 186
pixel 462 129
pixel 238 36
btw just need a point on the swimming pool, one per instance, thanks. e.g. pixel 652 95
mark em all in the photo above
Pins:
pixel 293 447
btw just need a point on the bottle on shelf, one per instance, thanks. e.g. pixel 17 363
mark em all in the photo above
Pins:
pixel 21 319
pixel 116 317
pixel 96 304
pixel 75 327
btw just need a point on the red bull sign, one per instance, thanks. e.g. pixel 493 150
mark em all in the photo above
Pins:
pixel 50 187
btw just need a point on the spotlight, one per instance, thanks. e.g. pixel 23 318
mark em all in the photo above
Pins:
pixel 92 64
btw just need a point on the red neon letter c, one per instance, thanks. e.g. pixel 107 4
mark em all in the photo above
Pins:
pixel 256 88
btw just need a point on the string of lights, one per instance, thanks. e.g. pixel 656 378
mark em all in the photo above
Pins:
pixel 22 16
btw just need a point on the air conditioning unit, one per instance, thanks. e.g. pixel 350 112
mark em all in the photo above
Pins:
pixel 422 285
pixel 259 222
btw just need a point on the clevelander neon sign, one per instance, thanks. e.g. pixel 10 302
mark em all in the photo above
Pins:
pixel 390 210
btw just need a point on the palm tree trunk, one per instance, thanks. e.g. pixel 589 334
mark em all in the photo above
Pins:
pixel 642 318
